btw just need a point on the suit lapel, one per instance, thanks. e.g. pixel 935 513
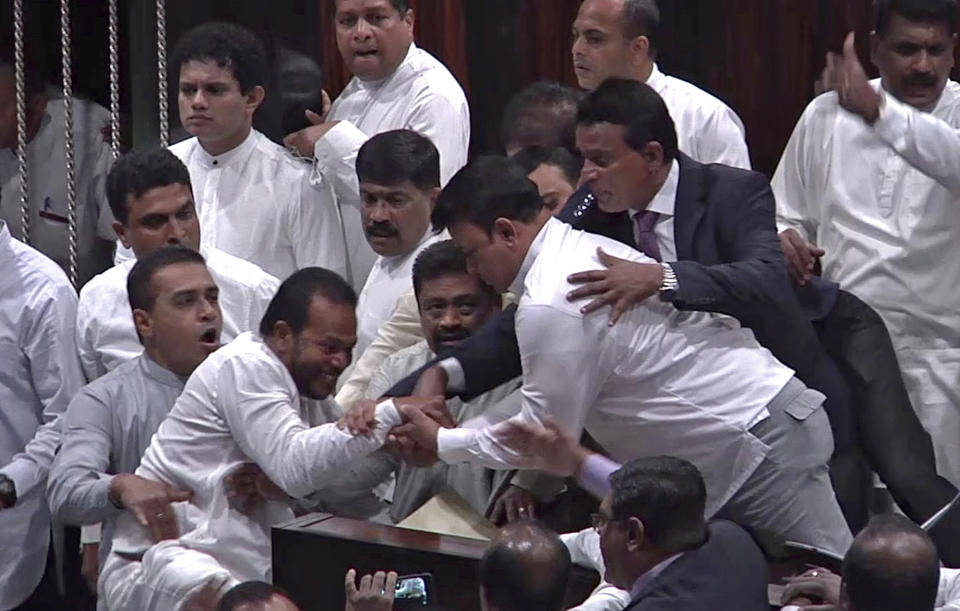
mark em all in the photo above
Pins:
pixel 690 205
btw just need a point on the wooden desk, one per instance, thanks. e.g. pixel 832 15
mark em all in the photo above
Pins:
pixel 312 554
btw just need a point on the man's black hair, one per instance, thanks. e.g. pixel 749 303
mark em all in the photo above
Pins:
pixel 139 293
pixel 488 188
pixel 291 304
pixel 443 259
pixel 668 495
pixel 525 568
pixel 642 18
pixel 138 171
pixel 927 11
pixel 533 157
pixel 396 156
pixel 876 580
pixel 230 46
pixel 541 114
pixel 249 593
pixel 636 107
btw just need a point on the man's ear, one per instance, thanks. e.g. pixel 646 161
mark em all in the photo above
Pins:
pixel 121 230
pixel 255 98
pixel 652 154
pixel 874 46
pixel 434 195
pixel 636 535
pixel 143 324
pixel 409 18
pixel 506 229
pixel 640 46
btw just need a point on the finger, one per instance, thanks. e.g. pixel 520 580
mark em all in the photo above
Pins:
pixel 815 250
pixel 619 308
pixel 608 298
pixel 390 586
pixel 350 584
pixel 313 117
pixel 531 509
pixel 378 579
pixel 607 259
pixel 180 495
pixel 850 48
pixel 290 140
pixel 365 582
pixel 325 104
pixel 588 290
pixel 595 275
pixel 498 512
pixel 513 513
pixel 141 514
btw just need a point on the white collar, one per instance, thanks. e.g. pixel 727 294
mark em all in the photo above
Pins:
pixel 223 160
pixel 380 82
pixel 657 79
pixel 665 201
pixel 516 287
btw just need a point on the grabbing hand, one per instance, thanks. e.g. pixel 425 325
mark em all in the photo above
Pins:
pixel 415 441
pixel 514 504
pixel 361 418
pixel 818 585
pixel 247 486
pixel 622 285
pixel 374 594
pixel 545 448
pixel 801 255
pixel 149 502
pixel 305 140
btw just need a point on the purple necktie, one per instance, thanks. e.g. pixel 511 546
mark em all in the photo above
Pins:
pixel 646 238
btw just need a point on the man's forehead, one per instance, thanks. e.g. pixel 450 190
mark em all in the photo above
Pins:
pixel 451 286
pixel 160 200
pixel 599 14
pixel 182 277
pixel 350 6
pixel 600 135
pixel 206 71
pixel 405 187
pixel 901 29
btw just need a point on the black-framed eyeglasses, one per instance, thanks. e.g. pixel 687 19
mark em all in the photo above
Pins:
pixel 599 520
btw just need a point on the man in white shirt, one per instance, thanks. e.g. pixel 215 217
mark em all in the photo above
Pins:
pixel 399 174
pixel 395 85
pixel 618 38
pixel 255 201
pixel 152 199
pixel 660 381
pixel 869 184
pixel 246 402
pixel 41 373
pixel 46 170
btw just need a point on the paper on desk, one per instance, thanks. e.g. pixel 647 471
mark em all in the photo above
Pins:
pixel 449 514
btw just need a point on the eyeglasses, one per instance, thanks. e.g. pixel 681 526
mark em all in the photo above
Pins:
pixel 599 520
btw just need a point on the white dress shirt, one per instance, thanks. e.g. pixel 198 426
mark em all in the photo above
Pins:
pixel 46 162
pixel 884 203
pixel 661 381
pixel 106 336
pixel 584 548
pixel 707 129
pixel 389 280
pixel 240 405
pixel 258 203
pixel 948 593
pixel 39 374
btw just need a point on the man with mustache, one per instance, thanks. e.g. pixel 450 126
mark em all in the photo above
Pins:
pixel 399 174
pixel 246 402
pixel 452 304
pixel 869 185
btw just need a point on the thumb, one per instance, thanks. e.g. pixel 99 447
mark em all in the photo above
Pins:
pixel 180 495
pixel 350 583
pixel 313 117
pixel 412 414
pixel 607 259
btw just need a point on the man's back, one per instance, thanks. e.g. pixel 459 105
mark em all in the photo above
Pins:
pixel 727 573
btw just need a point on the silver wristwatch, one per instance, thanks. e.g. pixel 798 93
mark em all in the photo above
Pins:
pixel 669 286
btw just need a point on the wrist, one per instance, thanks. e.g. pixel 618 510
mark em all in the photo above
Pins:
pixel 115 490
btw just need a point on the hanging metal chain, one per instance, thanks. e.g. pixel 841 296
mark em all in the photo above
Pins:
pixel 22 173
pixel 162 71
pixel 114 45
pixel 65 54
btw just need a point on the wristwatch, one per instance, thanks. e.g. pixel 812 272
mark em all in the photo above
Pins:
pixel 8 492
pixel 669 286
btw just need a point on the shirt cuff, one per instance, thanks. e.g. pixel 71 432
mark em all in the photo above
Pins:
pixel 24 476
pixel 338 143
pixel 893 122
pixel 387 415
pixel 90 534
pixel 456 380
pixel 595 474
pixel 453 445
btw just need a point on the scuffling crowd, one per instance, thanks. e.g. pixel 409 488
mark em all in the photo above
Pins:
pixel 616 321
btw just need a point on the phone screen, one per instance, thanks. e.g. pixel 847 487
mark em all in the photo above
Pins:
pixel 412 591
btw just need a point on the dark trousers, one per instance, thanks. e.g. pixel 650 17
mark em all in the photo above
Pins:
pixel 889 433
pixel 46 596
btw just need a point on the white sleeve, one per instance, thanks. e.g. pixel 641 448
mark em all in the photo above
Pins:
pixel 584 547
pixel 723 140
pixel 795 181
pixel 948 594
pixel 264 423
pixel 315 229
pixel 56 377
pixel 90 360
pixel 924 141
pixel 336 160
pixel 565 363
